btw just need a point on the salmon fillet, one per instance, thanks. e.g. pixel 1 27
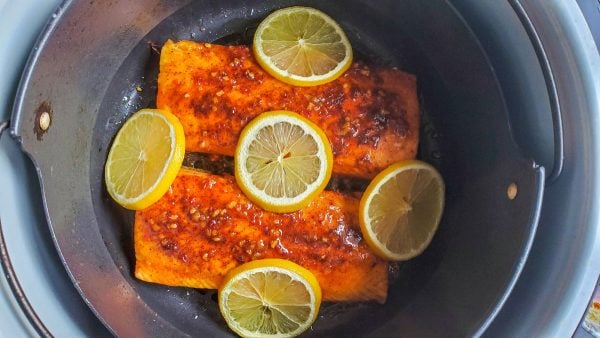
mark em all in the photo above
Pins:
pixel 205 226
pixel 369 114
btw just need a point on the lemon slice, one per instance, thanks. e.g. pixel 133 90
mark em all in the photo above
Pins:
pixel 282 161
pixel 401 209
pixel 144 158
pixel 269 298
pixel 302 46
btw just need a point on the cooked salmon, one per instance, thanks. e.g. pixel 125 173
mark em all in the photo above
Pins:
pixel 370 114
pixel 205 226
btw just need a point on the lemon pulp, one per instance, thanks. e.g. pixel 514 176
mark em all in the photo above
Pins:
pixel 302 46
pixel 144 158
pixel 283 161
pixel 268 298
pixel 401 209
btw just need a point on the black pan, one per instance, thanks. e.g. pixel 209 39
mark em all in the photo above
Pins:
pixel 84 72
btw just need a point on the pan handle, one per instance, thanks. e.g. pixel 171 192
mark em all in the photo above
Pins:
pixel 13 281
pixel 538 46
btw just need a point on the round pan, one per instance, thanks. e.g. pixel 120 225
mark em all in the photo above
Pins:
pixel 84 73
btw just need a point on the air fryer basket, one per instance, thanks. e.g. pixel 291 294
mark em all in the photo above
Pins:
pixel 96 54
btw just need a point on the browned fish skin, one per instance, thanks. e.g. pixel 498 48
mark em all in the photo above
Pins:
pixel 370 115
pixel 204 226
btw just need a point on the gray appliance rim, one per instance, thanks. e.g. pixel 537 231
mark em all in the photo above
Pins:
pixel 558 279
pixel 579 57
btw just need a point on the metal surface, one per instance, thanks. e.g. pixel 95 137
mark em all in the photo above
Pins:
pixel 92 57
pixel 3 127
pixel 95 48
pixel 27 236
pixel 558 280
pixel 35 260
pixel 559 156
pixel 17 290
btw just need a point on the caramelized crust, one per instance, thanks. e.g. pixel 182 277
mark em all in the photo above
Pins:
pixel 204 226
pixel 370 115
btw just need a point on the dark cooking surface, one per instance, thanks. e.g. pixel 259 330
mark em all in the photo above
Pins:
pixel 183 305
pixel 456 284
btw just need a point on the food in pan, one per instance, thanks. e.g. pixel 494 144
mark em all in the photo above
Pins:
pixel 205 226
pixel 269 297
pixel 271 239
pixel 144 158
pixel 404 194
pixel 302 46
pixel 282 161
pixel 370 114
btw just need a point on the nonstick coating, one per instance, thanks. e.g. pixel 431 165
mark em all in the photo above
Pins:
pixel 453 289
pixel 139 71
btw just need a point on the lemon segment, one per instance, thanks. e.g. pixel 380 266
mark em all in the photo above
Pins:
pixel 144 158
pixel 269 298
pixel 401 209
pixel 282 161
pixel 302 46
